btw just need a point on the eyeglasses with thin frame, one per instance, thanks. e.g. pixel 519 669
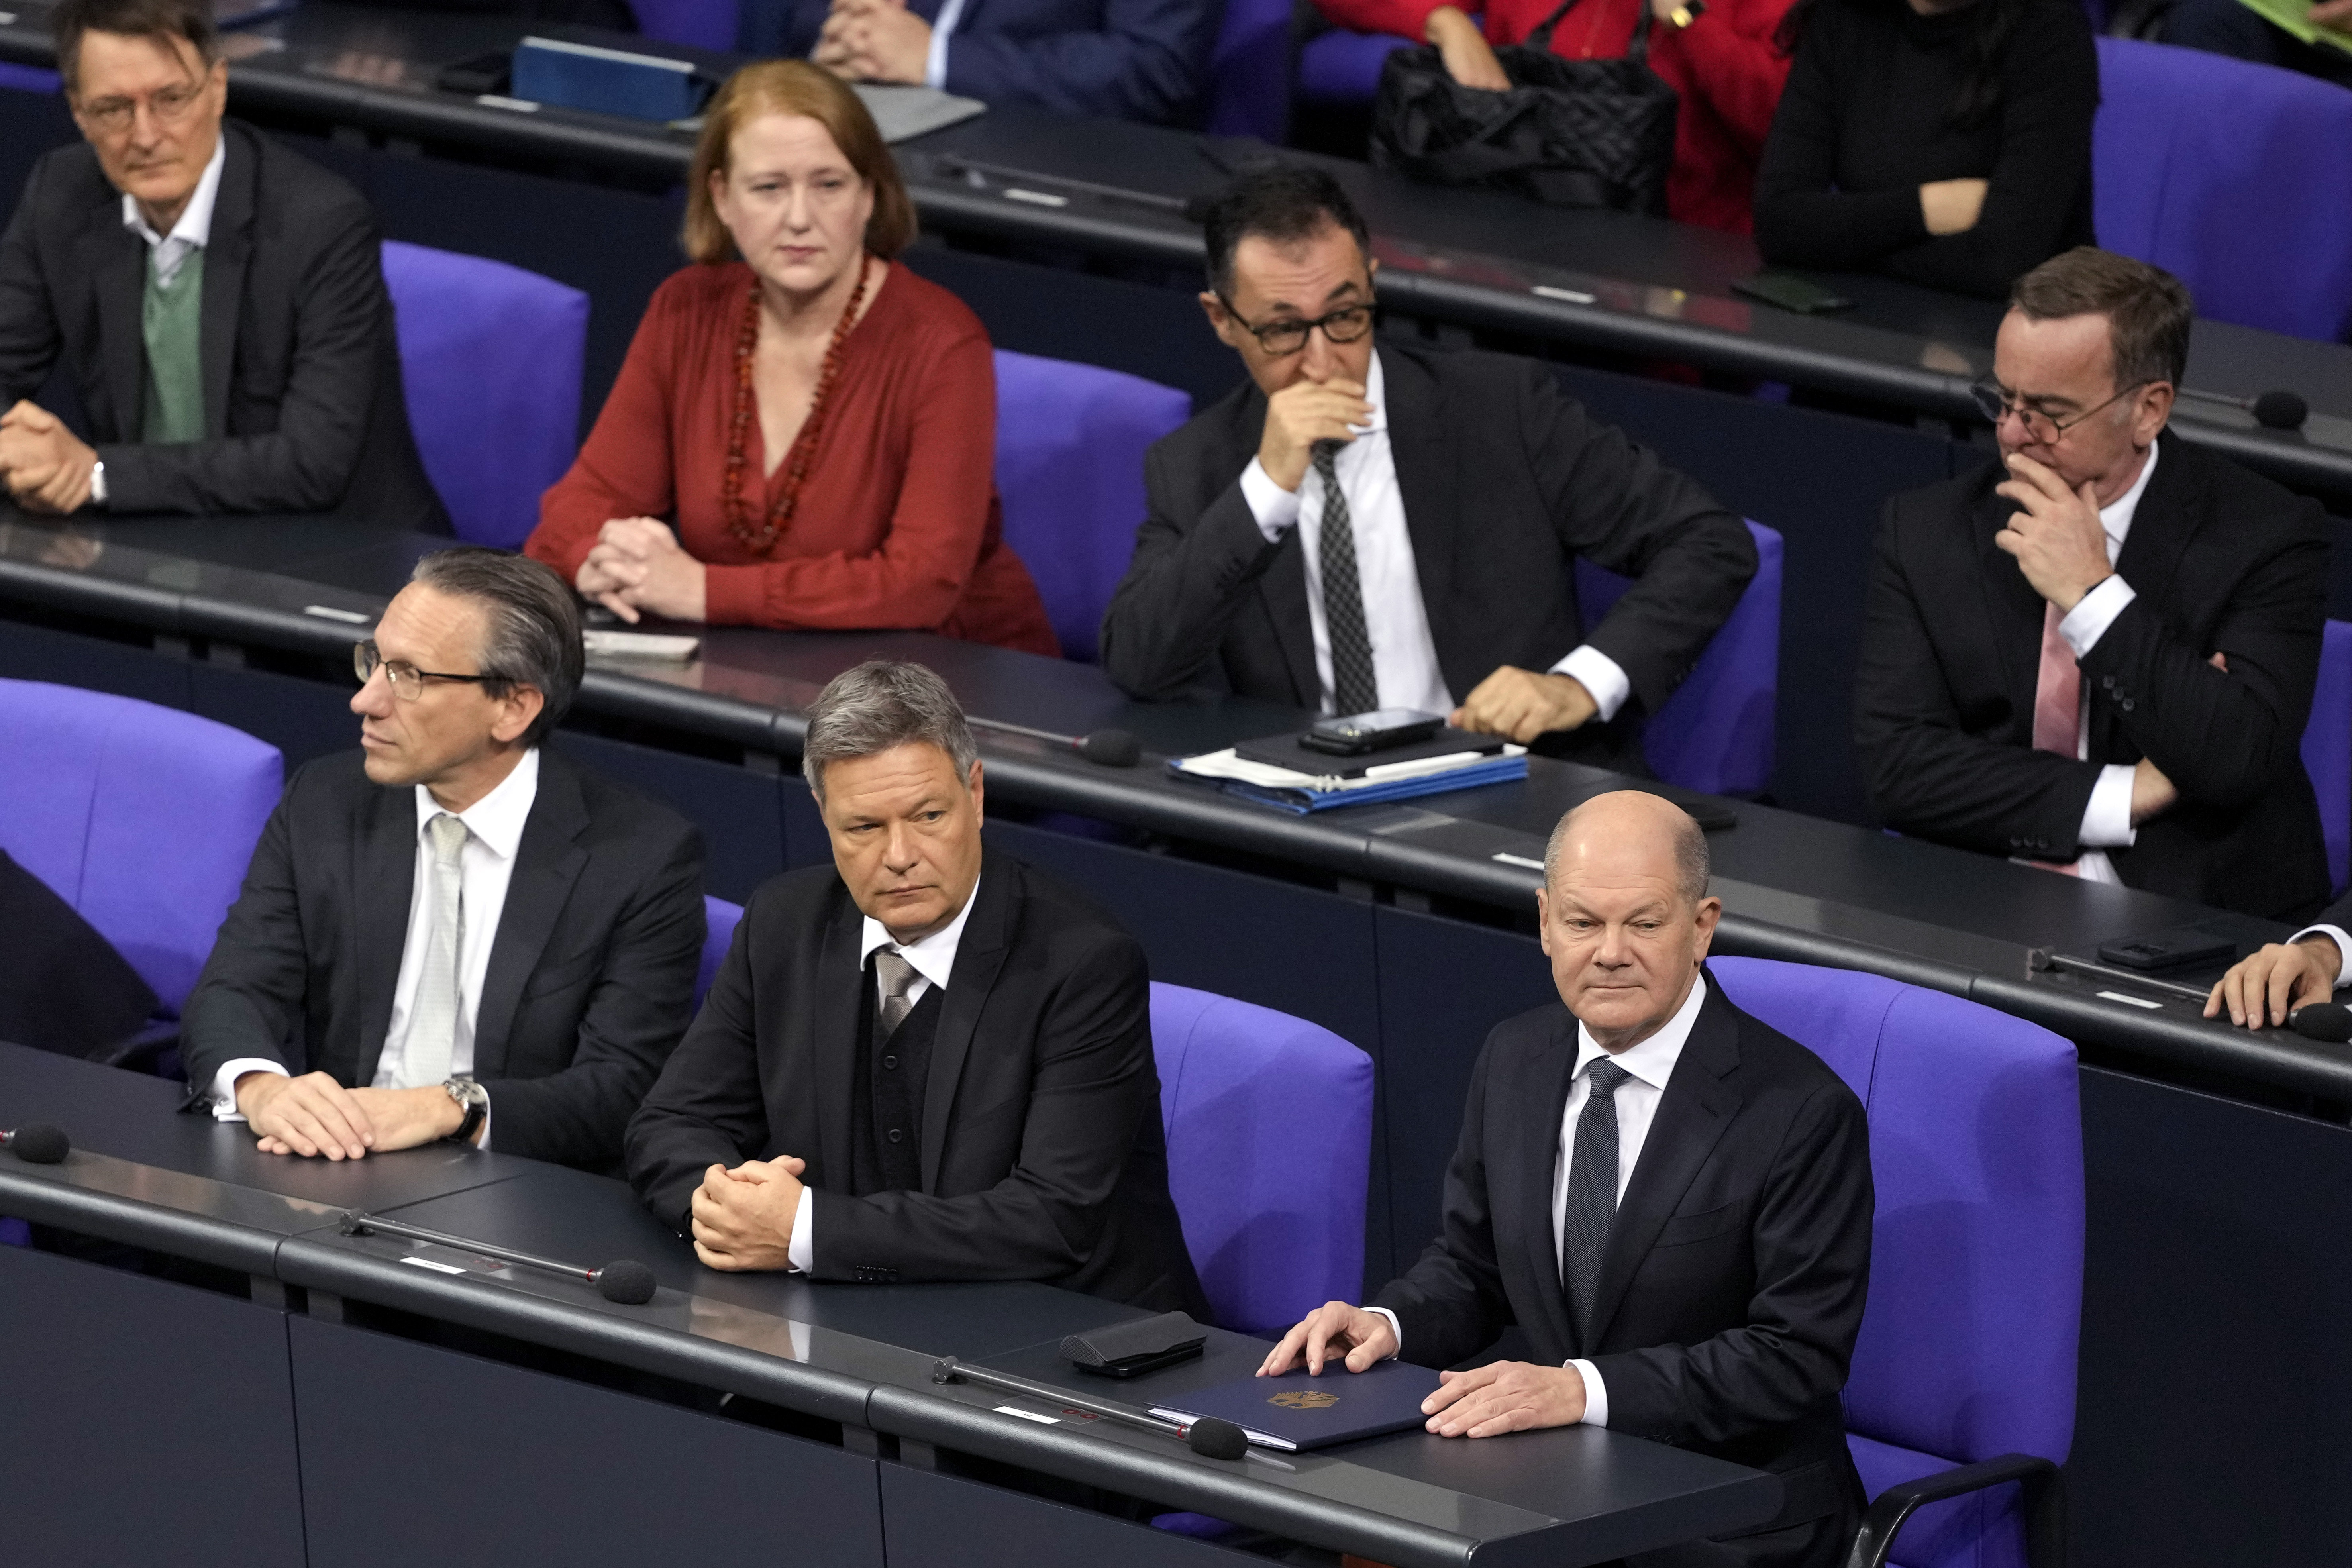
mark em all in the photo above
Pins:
pixel 169 105
pixel 407 681
pixel 1288 336
pixel 1993 400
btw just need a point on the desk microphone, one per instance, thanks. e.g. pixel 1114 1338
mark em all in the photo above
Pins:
pixel 625 1281
pixel 2271 410
pixel 1209 1437
pixel 1111 748
pixel 37 1143
pixel 2328 1021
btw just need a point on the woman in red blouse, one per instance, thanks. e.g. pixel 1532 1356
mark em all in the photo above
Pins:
pixel 1717 54
pixel 820 422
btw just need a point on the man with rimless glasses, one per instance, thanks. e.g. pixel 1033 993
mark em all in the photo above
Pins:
pixel 215 306
pixel 1359 527
pixel 453 932
pixel 2097 655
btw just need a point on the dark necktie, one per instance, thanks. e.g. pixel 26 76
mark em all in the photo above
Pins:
pixel 899 980
pixel 1591 1195
pixel 1354 687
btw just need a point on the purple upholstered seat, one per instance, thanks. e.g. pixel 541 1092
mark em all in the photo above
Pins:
pixel 2328 750
pixel 721 918
pixel 1271 1201
pixel 491 356
pixel 705 23
pixel 1716 732
pixel 1341 68
pixel 1070 464
pixel 28 79
pixel 2229 175
pixel 142 817
pixel 1968 1348
pixel 1249 71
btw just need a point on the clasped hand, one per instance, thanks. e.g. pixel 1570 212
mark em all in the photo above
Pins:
pixel 874 40
pixel 743 1217
pixel 1485 1402
pixel 315 1116
pixel 47 467
pixel 638 565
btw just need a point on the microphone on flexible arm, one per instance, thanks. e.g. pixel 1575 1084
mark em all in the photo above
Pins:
pixel 2273 410
pixel 37 1143
pixel 1111 748
pixel 2327 1021
pixel 1208 1436
pixel 625 1281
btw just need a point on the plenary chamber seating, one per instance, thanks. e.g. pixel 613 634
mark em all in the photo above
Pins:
pixel 491 356
pixel 1961 1401
pixel 1070 440
pixel 720 919
pixel 2328 750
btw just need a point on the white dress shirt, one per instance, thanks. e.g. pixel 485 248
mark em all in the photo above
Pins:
pixel 1651 1063
pixel 932 960
pixel 2106 820
pixel 494 825
pixel 935 63
pixel 1405 658
pixel 191 232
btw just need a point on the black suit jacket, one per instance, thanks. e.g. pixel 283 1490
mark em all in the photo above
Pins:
pixel 590 977
pixel 1505 482
pixel 1735 1274
pixel 1043 1154
pixel 2219 560
pixel 303 407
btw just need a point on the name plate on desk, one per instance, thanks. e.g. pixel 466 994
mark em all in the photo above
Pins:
pixel 605 82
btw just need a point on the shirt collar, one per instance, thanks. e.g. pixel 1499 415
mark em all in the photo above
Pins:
pixel 934 956
pixel 1376 393
pixel 1651 1061
pixel 196 225
pixel 2116 520
pixel 498 818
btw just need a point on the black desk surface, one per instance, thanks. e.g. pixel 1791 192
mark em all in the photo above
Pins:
pixel 1793 886
pixel 1605 280
pixel 854 1353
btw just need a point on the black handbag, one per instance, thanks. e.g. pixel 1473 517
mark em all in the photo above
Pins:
pixel 1570 133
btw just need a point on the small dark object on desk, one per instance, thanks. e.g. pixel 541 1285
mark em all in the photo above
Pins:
pixel 1358 733
pixel 1128 1350
pixel 2168 949
pixel 1209 1437
pixel 1791 292
pixel 39 1143
pixel 625 1281
pixel 475 75
pixel 2327 1021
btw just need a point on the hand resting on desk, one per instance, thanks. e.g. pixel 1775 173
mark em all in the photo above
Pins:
pixel 1521 704
pixel 313 1115
pixel 743 1217
pixel 2276 981
pixel 638 566
pixel 46 467
pixel 1485 1402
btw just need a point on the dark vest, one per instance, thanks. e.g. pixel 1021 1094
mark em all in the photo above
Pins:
pixel 887 1104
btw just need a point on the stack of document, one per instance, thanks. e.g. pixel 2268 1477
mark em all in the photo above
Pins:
pixel 1300 793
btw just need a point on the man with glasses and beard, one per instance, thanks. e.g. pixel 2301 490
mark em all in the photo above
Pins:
pixel 452 933
pixel 215 305
pixel 1359 527
pixel 2097 654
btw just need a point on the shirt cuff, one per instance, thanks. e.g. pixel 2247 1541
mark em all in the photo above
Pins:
pixel 2106 821
pixel 224 1095
pixel 98 483
pixel 935 63
pixel 1396 1329
pixel 1596 1394
pixel 800 1253
pixel 2094 613
pixel 1275 509
pixel 2343 950
pixel 1600 676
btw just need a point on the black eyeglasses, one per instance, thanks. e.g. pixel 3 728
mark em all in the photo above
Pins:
pixel 1993 400
pixel 1288 336
pixel 406 680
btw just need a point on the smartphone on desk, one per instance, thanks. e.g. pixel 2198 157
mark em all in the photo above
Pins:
pixel 1792 293
pixel 1358 733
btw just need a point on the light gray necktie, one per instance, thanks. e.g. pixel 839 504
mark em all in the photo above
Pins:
pixel 899 981
pixel 432 1015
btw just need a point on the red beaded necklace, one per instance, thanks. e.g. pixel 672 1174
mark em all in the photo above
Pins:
pixel 761 534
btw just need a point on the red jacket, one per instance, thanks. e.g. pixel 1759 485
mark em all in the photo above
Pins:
pixel 1723 66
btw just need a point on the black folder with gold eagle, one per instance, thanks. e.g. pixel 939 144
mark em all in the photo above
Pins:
pixel 1297 1411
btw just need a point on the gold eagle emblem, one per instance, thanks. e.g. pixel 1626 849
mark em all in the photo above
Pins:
pixel 1304 1399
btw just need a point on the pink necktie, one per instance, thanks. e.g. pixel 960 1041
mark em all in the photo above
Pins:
pixel 2057 704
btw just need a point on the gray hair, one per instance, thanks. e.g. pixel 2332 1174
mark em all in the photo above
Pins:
pixel 1692 864
pixel 882 703
pixel 533 625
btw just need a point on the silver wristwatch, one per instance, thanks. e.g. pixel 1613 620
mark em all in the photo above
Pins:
pixel 475 1100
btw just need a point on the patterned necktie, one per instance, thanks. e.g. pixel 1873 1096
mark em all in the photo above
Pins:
pixel 432 1015
pixel 2057 705
pixel 899 981
pixel 1354 687
pixel 1591 1195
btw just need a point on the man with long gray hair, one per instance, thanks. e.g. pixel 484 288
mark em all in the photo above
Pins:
pixel 453 932
pixel 926 1061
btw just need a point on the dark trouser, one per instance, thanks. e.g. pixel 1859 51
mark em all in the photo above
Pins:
pixel 2227 27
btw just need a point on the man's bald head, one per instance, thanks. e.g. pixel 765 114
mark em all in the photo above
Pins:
pixel 1632 822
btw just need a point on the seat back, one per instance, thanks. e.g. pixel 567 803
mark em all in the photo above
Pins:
pixel 1340 68
pixel 1968 1348
pixel 720 919
pixel 490 355
pixel 704 23
pixel 1249 71
pixel 1716 732
pixel 1069 466
pixel 2229 176
pixel 1272 1197
pixel 29 78
pixel 142 818
pixel 2328 750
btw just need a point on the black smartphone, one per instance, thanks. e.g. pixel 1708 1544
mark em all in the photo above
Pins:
pixel 2166 949
pixel 1358 733
pixel 1792 293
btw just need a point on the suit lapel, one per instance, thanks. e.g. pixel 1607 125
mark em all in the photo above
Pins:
pixel 979 957
pixel 1426 488
pixel 1282 587
pixel 115 261
pixel 227 250
pixel 548 861
pixel 2013 612
pixel 1536 1155
pixel 385 885
pixel 1692 1115
pixel 839 974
